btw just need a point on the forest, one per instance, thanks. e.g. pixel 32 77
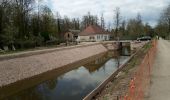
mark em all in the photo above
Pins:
pixel 29 24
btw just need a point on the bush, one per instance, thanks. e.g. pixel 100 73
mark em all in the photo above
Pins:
pixel 45 36
pixel 128 37
pixel 25 44
pixel 55 42
pixel 39 40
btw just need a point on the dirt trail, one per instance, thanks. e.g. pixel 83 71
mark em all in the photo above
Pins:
pixel 160 86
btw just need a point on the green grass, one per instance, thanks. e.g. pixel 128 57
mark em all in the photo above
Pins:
pixel 105 98
pixel 131 65
pixel 25 50
pixel 127 70
pixel 147 47
pixel 16 51
pixel 9 52
pixel 137 58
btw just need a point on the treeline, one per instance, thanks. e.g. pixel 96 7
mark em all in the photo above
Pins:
pixel 131 28
pixel 136 28
pixel 25 24
pixel 163 27
pixel 28 24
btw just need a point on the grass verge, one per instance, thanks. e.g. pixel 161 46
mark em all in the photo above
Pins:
pixel 120 83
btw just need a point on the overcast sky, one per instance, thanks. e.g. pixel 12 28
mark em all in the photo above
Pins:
pixel 149 9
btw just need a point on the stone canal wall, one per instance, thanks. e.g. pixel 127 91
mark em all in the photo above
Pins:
pixel 25 65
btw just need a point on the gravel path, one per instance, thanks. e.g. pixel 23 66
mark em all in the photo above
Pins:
pixel 16 69
pixel 160 87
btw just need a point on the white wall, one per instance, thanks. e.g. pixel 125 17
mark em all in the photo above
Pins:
pixel 84 38
pixel 99 37
pixel 102 37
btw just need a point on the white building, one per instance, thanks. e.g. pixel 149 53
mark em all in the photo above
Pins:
pixel 94 33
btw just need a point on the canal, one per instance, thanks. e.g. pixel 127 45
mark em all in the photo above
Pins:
pixel 74 84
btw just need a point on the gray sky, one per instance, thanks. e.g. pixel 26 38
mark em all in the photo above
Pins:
pixel 149 9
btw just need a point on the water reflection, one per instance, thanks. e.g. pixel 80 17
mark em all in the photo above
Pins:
pixel 75 84
pixel 125 51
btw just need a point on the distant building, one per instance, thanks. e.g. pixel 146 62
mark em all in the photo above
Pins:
pixel 71 35
pixel 94 33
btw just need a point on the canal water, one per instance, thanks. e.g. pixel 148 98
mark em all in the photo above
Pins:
pixel 74 84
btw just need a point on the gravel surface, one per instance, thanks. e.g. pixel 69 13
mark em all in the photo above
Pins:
pixel 160 89
pixel 13 70
pixel 136 44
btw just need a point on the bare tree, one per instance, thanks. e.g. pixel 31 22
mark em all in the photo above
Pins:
pixel 123 27
pixel 109 27
pixel 23 9
pixel 89 20
pixel 38 22
pixel 117 22
pixel 166 18
pixel 102 21
pixel 163 27
pixel 139 25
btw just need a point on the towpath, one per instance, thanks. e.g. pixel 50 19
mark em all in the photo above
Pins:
pixel 160 79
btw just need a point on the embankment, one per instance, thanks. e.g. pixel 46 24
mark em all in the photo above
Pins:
pixel 17 67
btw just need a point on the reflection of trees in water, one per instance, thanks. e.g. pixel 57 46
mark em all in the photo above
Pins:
pixel 125 51
pixel 116 55
pixel 38 92
pixel 100 62
pixel 97 64
pixel 117 61
pixel 51 84
pixel 34 93
pixel 30 94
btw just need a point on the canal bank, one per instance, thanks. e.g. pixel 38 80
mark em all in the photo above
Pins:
pixel 96 51
pixel 19 86
pixel 118 86
pixel 72 84
pixel 24 66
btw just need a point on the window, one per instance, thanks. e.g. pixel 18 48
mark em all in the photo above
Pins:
pixel 98 36
pixel 105 37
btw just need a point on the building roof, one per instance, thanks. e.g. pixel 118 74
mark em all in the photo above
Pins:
pixel 75 32
pixel 93 30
